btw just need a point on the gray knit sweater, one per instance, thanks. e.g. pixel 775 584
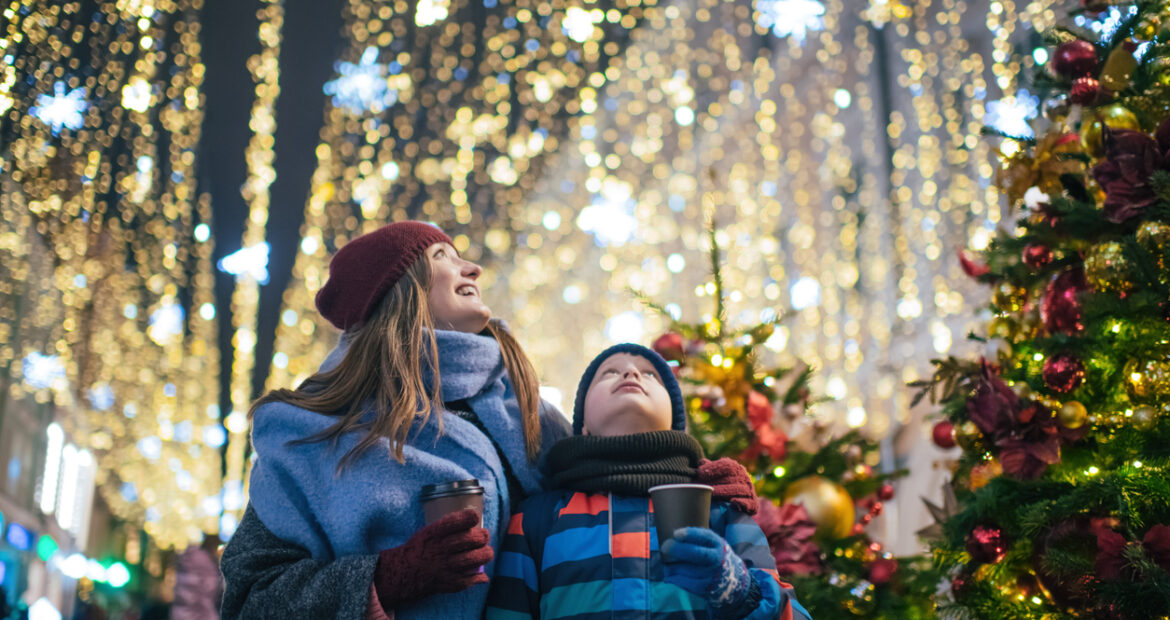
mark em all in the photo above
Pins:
pixel 270 578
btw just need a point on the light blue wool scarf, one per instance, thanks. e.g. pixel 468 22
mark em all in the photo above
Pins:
pixel 373 504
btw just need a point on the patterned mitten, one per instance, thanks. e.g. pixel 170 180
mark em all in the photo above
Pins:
pixel 702 563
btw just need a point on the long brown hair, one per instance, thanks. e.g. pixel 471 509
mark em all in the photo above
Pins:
pixel 384 365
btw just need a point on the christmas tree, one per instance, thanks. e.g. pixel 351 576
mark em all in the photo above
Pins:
pixel 817 492
pixel 1063 504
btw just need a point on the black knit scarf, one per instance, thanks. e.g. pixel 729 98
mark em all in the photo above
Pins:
pixel 626 464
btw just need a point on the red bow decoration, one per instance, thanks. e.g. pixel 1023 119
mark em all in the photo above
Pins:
pixel 768 438
pixel 1111 563
pixel 972 268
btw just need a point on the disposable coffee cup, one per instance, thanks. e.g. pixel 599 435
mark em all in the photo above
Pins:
pixel 440 500
pixel 679 505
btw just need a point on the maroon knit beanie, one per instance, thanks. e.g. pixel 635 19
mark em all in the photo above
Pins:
pixel 362 271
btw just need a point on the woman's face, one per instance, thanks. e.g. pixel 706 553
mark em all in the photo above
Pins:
pixel 454 296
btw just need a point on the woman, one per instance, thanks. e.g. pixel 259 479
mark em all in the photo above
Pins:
pixel 424 388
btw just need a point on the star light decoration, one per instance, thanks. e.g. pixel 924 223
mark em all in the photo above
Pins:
pixel 1010 115
pixel 791 18
pixel 363 87
pixel 63 109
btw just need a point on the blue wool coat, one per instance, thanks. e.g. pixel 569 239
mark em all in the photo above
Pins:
pixel 373 504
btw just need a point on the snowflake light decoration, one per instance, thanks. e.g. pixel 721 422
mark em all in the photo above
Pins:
pixel 42 371
pixel 362 87
pixel 61 109
pixel 1010 115
pixel 610 218
pixel 1106 23
pixel 791 18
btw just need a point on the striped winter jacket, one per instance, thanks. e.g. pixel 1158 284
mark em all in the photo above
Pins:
pixel 592 556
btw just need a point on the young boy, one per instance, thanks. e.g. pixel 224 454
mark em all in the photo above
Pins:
pixel 589 550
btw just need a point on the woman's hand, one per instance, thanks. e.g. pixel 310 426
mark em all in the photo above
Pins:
pixel 731 483
pixel 445 556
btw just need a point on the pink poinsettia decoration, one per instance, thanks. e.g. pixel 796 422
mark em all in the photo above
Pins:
pixel 1111 561
pixel 1131 157
pixel 1028 435
pixel 790 535
pixel 767 438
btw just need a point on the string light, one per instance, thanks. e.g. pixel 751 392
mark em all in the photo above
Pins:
pixel 259 156
pixel 824 204
pixel 100 260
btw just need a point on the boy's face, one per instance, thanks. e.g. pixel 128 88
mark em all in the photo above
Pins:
pixel 626 396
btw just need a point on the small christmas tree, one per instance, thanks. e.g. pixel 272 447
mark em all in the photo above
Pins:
pixel 817 493
pixel 1063 500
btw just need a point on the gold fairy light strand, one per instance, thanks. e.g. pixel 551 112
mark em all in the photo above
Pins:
pixel 105 268
pixel 259 156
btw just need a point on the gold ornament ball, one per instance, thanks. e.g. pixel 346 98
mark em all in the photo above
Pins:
pixel 1002 327
pixel 1073 415
pixel 1144 417
pixel 999 350
pixel 1008 297
pixel 1107 269
pixel 1091 137
pixel 1030 324
pixel 1147 30
pixel 828 504
pixel 1147 380
pixel 969 437
pixel 1154 237
pixel 1118 69
pixel 1116 116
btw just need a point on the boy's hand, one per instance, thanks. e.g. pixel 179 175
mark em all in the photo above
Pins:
pixel 701 562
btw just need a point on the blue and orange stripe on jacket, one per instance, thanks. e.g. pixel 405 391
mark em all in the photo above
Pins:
pixel 578 556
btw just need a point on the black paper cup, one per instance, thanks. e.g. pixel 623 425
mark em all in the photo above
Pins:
pixel 680 505
pixel 440 500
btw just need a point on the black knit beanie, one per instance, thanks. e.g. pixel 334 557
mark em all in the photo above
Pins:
pixel 678 413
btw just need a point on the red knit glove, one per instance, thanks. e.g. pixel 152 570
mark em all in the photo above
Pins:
pixel 731 483
pixel 442 557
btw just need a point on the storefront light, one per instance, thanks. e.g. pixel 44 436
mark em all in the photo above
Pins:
pixel 46 547
pixel 19 537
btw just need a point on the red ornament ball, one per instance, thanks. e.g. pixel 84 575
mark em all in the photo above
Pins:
pixel 960 585
pixel 1085 90
pixel 882 570
pixel 1063 372
pixel 669 346
pixel 1075 59
pixel 986 544
pixel 1037 256
pixel 1060 308
pixel 886 492
pixel 943 434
